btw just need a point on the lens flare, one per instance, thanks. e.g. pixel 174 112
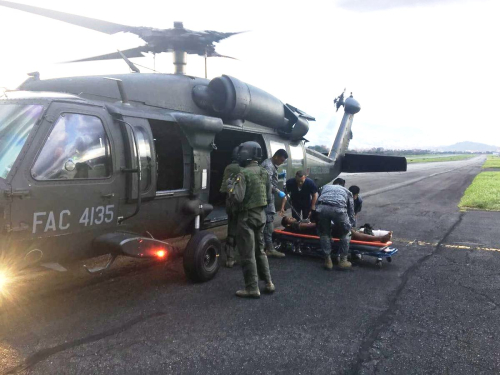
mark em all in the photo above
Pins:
pixel 4 281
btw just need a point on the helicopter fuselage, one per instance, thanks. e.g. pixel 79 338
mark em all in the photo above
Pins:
pixel 77 162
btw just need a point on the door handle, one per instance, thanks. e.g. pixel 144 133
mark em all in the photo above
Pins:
pixel 108 196
pixel 17 193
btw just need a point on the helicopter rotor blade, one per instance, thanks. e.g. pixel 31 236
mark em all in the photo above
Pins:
pixel 217 36
pixel 129 53
pixel 89 23
pixel 216 54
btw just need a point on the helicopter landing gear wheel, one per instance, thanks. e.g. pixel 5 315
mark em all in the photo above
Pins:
pixel 201 257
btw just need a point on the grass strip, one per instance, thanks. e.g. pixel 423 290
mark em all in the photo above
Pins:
pixel 430 159
pixel 483 193
pixel 492 162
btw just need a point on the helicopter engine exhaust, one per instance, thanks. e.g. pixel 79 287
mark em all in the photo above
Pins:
pixel 233 99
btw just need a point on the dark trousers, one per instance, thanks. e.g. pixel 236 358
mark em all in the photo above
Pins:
pixel 299 209
pixel 326 216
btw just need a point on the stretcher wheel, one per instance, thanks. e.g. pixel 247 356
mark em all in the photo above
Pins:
pixel 389 259
pixel 379 263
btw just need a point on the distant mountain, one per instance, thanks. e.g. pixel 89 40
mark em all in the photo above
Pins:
pixel 468 146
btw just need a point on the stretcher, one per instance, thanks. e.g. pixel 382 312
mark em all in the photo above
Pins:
pixel 305 244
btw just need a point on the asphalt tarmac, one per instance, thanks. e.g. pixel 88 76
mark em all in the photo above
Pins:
pixel 434 309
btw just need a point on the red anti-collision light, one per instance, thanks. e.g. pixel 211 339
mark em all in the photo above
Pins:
pixel 161 254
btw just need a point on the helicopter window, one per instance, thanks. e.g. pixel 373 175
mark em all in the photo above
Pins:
pixel 171 150
pixel 145 154
pixel 77 148
pixel 297 155
pixel 16 122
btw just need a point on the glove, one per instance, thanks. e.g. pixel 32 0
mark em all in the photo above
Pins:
pixel 282 174
pixel 281 194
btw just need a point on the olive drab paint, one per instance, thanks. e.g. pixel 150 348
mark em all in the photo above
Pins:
pixel 256 179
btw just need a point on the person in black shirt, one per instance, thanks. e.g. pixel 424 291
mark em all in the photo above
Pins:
pixel 358 202
pixel 303 194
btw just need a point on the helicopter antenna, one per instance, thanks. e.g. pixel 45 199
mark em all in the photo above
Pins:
pixel 133 66
pixel 145 67
pixel 130 64
pixel 206 64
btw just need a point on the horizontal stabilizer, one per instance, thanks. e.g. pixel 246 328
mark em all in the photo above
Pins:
pixel 359 163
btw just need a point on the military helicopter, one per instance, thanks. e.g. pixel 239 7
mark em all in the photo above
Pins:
pixel 120 164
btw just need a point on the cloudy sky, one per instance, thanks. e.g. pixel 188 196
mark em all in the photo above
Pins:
pixel 426 72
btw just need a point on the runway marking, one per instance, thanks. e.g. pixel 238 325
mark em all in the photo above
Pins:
pixel 410 182
pixel 447 246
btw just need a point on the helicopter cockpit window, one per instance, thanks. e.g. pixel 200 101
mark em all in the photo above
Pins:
pixel 16 122
pixel 77 148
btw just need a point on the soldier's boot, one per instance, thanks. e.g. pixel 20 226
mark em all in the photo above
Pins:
pixel 271 252
pixel 270 288
pixel 344 263
pixel 328 263
pixel 244 293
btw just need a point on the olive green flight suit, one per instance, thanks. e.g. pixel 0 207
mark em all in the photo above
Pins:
pixel 231 171
pixel 253 192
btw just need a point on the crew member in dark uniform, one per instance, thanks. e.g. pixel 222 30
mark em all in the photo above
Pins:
pixel 303 194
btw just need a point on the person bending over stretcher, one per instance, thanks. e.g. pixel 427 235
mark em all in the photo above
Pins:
pixel 292 225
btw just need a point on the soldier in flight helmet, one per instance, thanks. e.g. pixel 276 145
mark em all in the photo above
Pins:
pixel 252 192
pixel 230 172
pixel 247 152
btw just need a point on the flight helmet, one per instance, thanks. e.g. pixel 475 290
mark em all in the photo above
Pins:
pixel 248 151
pixel 234 155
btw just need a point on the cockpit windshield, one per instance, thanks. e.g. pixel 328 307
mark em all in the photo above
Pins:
pixel 16 122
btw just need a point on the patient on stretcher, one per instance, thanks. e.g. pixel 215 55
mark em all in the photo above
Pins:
pixel 305 227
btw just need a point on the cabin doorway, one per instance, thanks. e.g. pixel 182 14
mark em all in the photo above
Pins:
pixel 225 141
